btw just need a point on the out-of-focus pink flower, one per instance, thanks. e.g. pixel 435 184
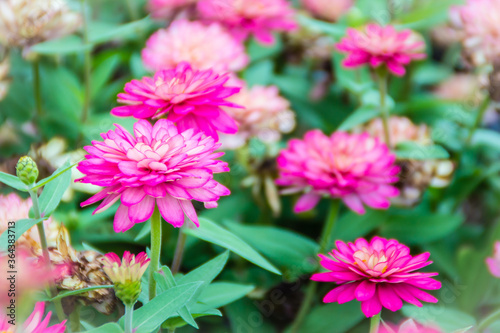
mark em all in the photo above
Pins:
pixel 12 209
pixel 494 262
pixel 330 10
pixel 34 324
pixel 127 270
pixel 409 326
pixel 378 45
pixel 163 9
pixel 203 46
pixel 479 21
pixel 158 164
pixel 379 273
pixel 356 168
pixel 191 98
pixel 265 115
pixel 247 17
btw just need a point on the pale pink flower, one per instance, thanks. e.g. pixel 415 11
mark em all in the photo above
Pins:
pixel 34 324
pixel 191 98
pixel 163 9
pixel 378 45
pixel 356 168
pixel 203 46
pixel 494 262
pixel 409 326
pixel 265 115
pixel 379 273
pixel 158 164
pixel 127 270
pixel 250 17
pixel 478 19
pixel 330 10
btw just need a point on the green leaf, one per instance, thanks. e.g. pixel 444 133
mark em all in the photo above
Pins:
pixel 359 116
pixel 351 225
pixel 213 233
pixel 103 72
pixel 333 318
pixel 78 291
pixel 207 272
pixel 219 294
pixel 372 98
pixel 13 181
pixel 448 319
pixel 107 328
pixel 65 167
pixel 176 322
pixel 415 151
pixel 293 251
pixel 335 30
pixel 487 138
pixel 54 191
pixel 420 228
pixel 151 315
pixel 103 32
pixel 66 45
pixel 20 227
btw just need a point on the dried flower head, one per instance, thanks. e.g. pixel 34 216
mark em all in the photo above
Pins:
pixel 379 273
pixel 377 45
pixel 36 323
pixel 24 23
pixel 191 98
pixel 355 168
pixel 159 165
pixel 187 41
pixel 250 17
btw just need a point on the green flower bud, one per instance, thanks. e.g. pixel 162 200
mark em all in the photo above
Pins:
pixel 26 170
pixel 128 292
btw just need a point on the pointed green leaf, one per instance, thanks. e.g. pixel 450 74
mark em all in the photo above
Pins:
pixel 65 167
pixel 53 192
pixel 213 233
pixel 79 291
pixel 20 227
pixel 219 294
pixel 13 181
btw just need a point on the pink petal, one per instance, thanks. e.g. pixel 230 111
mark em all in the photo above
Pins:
pixel 142 211
pixel 171 210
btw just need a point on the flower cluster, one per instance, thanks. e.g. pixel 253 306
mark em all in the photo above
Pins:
pixel 379 273
pixel 356 168
pixel 187 41
pixel 160 165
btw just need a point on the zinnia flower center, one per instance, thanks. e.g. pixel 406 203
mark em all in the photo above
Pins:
pixel 371 262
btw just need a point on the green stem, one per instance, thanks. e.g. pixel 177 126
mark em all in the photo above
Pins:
pixel 479 116
pixel 155 251
pixel 43 243
pixel 36 87
pixel 384 112
pixel 87 63
pixel 324 242
pixel 375 323
pixel 129 315
pixel 486 322
pixel 179 251
pixel 74 319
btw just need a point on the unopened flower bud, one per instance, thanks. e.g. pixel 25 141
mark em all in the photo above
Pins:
pixel 26 170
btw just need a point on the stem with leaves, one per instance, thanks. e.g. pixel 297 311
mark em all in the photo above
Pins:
pixel 155 251
pixel 324 242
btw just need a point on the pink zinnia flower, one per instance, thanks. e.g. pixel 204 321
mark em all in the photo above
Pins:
pixel 203 46
pixel 356 168
pixel 378 45
pixel 494 262
pixel 161 164
pixel 381 273
pixel 35 323
pixel 127 270
pixel 409 326
pixel 330 10
pixel 191 98
pixel 246 17
pixel 164 9
pixel 479 21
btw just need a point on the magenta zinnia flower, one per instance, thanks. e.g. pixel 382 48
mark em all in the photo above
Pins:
pixel 35 323
pixel 356 168
pixel 160 164
pixel 494 262
pixel 381 273
pixel 246 17
pixel 191 98
pixel 187 41
pixel 409 326
pixel 378 45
